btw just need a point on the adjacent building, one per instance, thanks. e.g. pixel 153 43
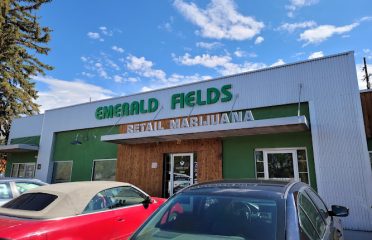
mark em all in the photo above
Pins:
pixel 300 121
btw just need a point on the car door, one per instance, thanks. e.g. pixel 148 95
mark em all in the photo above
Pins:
pixel 131 211
pixel 336 232
pixel 315 224
pixel 96 222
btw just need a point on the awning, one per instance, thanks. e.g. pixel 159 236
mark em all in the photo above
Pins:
pixel 18 148
pixel 255 127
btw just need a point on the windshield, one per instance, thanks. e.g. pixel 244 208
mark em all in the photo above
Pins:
pixel 206 217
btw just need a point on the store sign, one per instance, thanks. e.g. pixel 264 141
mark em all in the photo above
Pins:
pixel 190 122
pixel 178 100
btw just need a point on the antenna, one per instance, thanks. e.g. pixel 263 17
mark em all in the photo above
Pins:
pixel 299 101
pixel 366 76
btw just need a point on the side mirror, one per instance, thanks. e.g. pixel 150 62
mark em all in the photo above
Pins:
pixel 339 211
pixel 146 202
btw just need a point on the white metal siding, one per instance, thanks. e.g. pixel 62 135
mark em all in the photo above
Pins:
pixel 329 85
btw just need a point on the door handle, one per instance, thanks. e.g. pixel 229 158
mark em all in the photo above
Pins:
pixel 120 219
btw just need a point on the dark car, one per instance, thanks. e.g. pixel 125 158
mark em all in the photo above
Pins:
pixel 245 209
pixel 13 187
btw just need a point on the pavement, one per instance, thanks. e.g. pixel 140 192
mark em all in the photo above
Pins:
pixel 357 235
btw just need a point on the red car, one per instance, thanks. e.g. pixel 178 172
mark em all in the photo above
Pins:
pixel 77 210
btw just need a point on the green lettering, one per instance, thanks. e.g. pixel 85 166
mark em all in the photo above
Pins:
pixel 99 113
pixel 142 107
pixel 134 108
pixel 190 99
pixel 199 98
pixel 125 109
pixel 178 98
pixel 117 110
pixel 108 111
pixel 213 95
pixel 226 91
pixel 153 104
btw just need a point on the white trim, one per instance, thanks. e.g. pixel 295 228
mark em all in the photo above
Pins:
pixel 293 151
pixel 62 162
pixel 100 160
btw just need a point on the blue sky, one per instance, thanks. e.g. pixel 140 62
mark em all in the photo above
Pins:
pixel 103 49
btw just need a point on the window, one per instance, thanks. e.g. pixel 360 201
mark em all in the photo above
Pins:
pixel 312 223
pixel 104 169
pixel 62 171
pixel 31 201
pixel 25 186
pixel 23 170
pixel 115 197
pixel 5 192
pixel 283 164
pixel 200 216
pixel 320 205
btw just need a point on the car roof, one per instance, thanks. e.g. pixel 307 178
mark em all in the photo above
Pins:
pixel 72 198
pixel 241 187
pixel 9 179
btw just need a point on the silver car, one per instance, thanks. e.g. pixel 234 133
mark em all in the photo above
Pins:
pixel 245 209
pixel 13 187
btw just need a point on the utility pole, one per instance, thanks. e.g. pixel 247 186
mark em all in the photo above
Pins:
pixel 366 77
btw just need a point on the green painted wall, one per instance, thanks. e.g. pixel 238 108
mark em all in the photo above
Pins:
pixel 238 152
pixel 83 155
pixel 25 157
pixel 369 143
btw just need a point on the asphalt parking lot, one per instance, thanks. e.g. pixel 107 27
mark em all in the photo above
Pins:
pixel 357 235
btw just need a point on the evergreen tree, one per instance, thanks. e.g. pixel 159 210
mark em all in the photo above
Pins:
pixel 21 39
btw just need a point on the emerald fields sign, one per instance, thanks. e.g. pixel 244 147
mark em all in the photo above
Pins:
pixel 178 100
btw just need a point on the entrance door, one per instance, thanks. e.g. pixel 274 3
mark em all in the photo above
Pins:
pixel 181 171
pixel 281 164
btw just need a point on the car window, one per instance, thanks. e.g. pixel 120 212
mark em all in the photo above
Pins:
pixel 25 186
pixel 31 201
pixel 312 223
pixel 320 205
pixel 5 192
pixel 115 197
pixel 205 217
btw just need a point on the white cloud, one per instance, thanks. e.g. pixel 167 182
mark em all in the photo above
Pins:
pixel 105 31
pixel 240 53
pixel 95 36
pixel 259 40
pixel 117 49
pixel 205 60
pixel 316 55
pixel 277 63
pixel 174 80
pixel 144 68
pixel 86 74
pixel 118 78
pixel 220 20
pixel 61 93
pixel 323 32
pixel 211 45
pixel 167 26
pixel 291 27
pixel 232 68
pixel 367 53
pixel 297 4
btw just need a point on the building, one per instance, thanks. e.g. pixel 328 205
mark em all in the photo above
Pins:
pixel 302 120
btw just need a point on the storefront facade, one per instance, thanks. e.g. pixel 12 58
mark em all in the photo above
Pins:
pixel 300 121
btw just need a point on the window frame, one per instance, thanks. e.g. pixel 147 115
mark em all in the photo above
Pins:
pixel 101 160
pixel 292 150
pixel 72 165
pixel 24 169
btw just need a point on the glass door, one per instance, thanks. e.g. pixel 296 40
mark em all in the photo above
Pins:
pixel 181 171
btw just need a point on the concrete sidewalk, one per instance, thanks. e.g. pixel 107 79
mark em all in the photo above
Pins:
pixel 357 235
